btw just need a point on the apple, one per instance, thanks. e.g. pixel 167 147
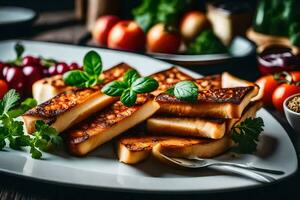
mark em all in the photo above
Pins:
pixel 127 35
pixel 102 28
pixel 192 23
pixel 160 40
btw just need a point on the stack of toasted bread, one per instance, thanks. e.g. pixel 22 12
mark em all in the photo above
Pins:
pixel 89 118
pixel 202 128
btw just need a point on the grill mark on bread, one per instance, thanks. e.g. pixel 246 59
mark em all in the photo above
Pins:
pixel 105 119
pixel 69 99
pixel 169 77
pixel 146 143
pixel 219 95
pixel 209 82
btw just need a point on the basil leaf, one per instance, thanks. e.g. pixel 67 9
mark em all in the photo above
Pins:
pixel 128 97
pixel 170 91
pixel 144 85
pixel 92 64
pixel 115 88
pixel 76 78
pixel 131 76
pixel 186 91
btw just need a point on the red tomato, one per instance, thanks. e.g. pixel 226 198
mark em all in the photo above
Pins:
pixel 193 22
pixel 161 41
pixel 282 92
pixel 3 88
pixel 102 28
pixel 268 85
pixel 295 75
pixel 126 35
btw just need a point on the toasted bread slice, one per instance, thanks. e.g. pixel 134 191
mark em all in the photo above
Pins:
pixel 249 112
pixel 47 88
pixel 230 81
pixel 72 106
pixel 188 127
pixel 217 103
pixel 209 82
pixel 198 127
pixel 108 124
pixel 190 147
pixel 166 79
pixel 134 149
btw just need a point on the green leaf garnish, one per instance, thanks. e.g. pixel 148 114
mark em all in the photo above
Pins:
pixel 185 91
pixel 131 85
pixel 114 88
pixel 131 76
pixel 144 85
pixel 90 76
pixel 128 97
pixel 92 64
pixel 21 109
pixel 246 134
pixel 12 131
pixel 9 101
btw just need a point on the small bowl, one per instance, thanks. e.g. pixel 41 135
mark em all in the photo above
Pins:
pixel 292 116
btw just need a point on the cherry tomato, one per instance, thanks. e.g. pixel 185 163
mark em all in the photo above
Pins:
pixel 282 92
pixel 162 41
pixel 30 60
pixel 52 70
pixel 74 66
pixel 268 85
pixel 3 88
pixel 295 75
pixel 61 68
pixel 1 69
pixel 31 74
pixel 5 67
pixel 15 79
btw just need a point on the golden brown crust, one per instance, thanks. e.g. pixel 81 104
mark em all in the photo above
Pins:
pixel 219 95
pixel 169 77
pixel 104 120
pixel 69 99
pixel 209 82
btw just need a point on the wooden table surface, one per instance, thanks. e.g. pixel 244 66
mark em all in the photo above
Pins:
pixel 62 27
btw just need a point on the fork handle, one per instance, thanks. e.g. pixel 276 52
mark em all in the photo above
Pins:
pixel 270 171
pixel 244 172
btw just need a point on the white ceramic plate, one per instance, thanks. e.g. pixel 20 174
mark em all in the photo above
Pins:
pixel 101 168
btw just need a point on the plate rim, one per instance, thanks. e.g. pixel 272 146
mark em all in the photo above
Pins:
pixel 138 190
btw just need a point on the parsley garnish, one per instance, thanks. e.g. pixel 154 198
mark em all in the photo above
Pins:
pixel 246 134
pixel 131 85
pixel 12 131
pixel 185 91
pixel 90 76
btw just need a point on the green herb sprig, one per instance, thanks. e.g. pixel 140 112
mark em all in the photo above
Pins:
pixel 131 85
pixel 90 76
pixel 12 131
pixel 246 134
pixel 185 91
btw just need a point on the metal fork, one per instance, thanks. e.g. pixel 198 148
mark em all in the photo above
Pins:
pixel 244 170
